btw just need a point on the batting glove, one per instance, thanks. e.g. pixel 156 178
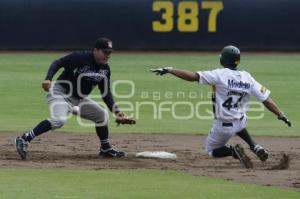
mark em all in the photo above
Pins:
pixel 285 120
pixel 161 71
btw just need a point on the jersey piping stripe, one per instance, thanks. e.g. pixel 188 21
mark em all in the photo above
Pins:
pixel 213 99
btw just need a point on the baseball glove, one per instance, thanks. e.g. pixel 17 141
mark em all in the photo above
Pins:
pixel 124 120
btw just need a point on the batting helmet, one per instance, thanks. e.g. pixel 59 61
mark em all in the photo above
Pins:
pixel 230 56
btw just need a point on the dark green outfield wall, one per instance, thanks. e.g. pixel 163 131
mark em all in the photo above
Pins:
pixel 150 24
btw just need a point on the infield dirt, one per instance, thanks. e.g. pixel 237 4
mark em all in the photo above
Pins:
pixel 79 151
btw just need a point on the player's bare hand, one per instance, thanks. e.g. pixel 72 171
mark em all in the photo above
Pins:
pixel 285 120
pixel 120 114
pixel 161 71
pixel 46 85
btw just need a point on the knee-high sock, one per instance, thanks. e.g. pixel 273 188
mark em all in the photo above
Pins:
pixel 223 151
pixel 41 128
pixel 102 132
pixel 247 138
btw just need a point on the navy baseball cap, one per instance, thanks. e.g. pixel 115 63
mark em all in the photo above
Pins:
pixel 104 44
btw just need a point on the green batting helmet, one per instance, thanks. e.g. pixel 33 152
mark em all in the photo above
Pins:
pixel 230 56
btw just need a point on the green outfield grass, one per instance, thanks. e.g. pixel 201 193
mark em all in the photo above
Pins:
pixel 23 102
pixel 138 184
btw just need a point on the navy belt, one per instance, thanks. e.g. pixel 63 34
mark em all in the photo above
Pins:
pixel 227 124
pixel 230 123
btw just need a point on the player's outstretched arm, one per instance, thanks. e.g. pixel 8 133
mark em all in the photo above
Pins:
pixel 54 67
pixel 271 106
pixel 182 74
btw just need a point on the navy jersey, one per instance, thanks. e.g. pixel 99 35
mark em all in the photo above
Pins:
pixel 83 74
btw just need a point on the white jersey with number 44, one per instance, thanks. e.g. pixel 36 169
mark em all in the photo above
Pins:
pixel 231 92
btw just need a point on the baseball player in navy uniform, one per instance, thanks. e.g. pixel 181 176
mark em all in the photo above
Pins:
pixel 83 70
pixel 232 89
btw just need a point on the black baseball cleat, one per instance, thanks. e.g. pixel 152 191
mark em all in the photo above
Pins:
pixel 260 152
pixel 241 155
pixel 21 146
pixel 111 153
